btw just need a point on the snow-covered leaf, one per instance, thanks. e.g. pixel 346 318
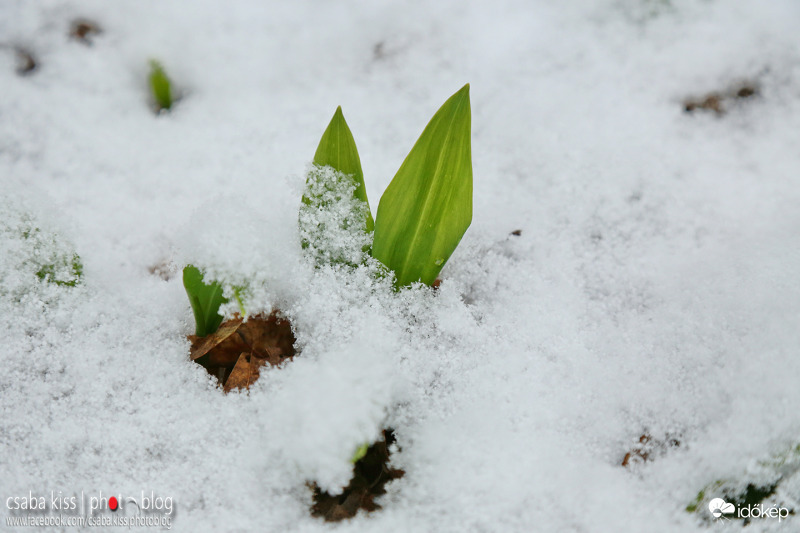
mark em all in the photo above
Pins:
pixel 337 149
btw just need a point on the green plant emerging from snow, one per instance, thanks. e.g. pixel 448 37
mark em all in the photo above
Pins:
pixel 55 264
pixel 65 271
pixel 421 218
pixel 423 213
pixel 160 86
pixel 337 149
pixel 205 299
pixel 360 452
pixel 34 255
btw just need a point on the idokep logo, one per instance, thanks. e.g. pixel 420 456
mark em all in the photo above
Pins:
pixel 719 508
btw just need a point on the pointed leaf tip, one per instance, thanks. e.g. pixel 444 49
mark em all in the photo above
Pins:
pixel 337 149
pixel 160 86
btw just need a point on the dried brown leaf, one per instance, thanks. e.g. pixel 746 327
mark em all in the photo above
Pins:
pixel 203 345
pixel 270 338
pixel 262 339
pixel 244 373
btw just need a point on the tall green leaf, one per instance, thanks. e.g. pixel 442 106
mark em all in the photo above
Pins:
pixel 428 205
pixel 160 86
pixel 205 300
pixel 337 149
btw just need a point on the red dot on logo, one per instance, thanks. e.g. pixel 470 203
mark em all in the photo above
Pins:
pixel 113 504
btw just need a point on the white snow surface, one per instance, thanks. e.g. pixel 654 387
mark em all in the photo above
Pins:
pixel 655 286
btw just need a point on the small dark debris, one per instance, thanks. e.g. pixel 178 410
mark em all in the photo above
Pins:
pixel 378 51
pixel 26 63
pixel 165 270
pixel 596 236
pixel 82 30
pixel 712 102
pixel 516 232
pixel 746 92
pixel 370 475
pixel 648 448
pixel 716 101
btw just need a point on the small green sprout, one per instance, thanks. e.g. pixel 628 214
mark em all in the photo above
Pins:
pixel 160 86
pixel 205 299
pixel 65 274
pixel 360 452
pixel 238 293
pixel 692 507
pixel 427 207
pixel 54 264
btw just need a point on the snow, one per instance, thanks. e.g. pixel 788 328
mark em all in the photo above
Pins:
pixel 331 224
pixel 653 288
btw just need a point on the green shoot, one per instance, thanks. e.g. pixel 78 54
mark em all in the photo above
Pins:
pixel 692 507
pixel 160 86
pixel 205 300
pixel 65 273
pixel 238 296
pixel 427 207
pixel 334 220
pixel 337 149
pixel 53 263
pixel 360 452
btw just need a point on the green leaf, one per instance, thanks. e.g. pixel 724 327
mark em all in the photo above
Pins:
pixel 360 452
pixel 337 149
pixel 205 300
pixel 238 295
pixel 428 205
pixel 160 86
